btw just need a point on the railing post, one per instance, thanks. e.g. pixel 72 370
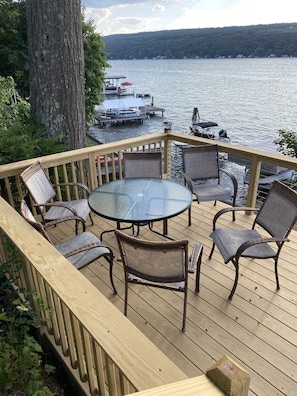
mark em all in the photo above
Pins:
pixel 92 171
pixel 253 182
pixel 167 154
pixel 232 379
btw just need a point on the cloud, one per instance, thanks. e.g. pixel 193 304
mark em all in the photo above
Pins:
pixel 132 16
pixel 158 7
pixel 99 15
pixel 131 21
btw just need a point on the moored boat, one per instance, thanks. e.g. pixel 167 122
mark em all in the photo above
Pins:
pixel 112 86
pixel 207 129
pixel 143 95
pixel 210 133
pixel 119 111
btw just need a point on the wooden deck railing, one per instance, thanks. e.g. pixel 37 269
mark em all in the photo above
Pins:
pixel 98 164
pixel 109 353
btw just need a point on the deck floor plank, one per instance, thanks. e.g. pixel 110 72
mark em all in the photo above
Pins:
pixel 258 328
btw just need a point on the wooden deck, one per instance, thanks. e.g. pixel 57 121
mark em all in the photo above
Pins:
pixel 258 328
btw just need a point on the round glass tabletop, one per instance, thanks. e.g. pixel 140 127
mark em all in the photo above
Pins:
pixel 140 200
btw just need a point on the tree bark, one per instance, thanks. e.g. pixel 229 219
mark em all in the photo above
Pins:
pixel 57 68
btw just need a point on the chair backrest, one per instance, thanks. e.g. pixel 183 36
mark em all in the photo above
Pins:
pixel 201 162
pixel 38 184
pixel 278 213
pixel 142 165
pixel 28 215
pixel 164 262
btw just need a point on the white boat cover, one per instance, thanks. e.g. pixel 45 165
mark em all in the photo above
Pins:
pixel 123 103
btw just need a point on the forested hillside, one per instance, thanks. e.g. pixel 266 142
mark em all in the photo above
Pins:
pixel 246 41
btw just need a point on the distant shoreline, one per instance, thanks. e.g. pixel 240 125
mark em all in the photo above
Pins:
pixel 255 41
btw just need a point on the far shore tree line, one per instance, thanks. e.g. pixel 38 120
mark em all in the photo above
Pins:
pixel 258 41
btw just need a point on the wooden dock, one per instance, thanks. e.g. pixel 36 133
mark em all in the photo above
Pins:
pixel 151 110
pixel 103 121
pixel 147 111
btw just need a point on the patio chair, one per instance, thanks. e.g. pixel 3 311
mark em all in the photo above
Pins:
pixel 81 250
pixel 44 196
pixel 277 216
pixel 202 175
pixel 156 264
pixel 142 164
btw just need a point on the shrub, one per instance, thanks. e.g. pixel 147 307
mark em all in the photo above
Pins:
pixel 21 367
pixel 21 136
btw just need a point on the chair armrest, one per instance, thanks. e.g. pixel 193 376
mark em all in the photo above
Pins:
pixel 53 223
pixel 61 204
pixel 90 246
pixel 231 209
pixel 195 257
pixel 234 181
pixel 188 181
pixel 258 241
pixel 72 184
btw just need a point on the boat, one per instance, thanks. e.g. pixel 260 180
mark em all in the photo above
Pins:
pixel 196 121
pixel 143 95
pixel 113 86
pixel 207 129
pixel 120 111
pixel 206 133
pixel 210 133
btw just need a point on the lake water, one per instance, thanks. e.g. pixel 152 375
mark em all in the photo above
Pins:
pixel 251 98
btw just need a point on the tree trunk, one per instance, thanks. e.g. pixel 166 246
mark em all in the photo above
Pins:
pixel 57 68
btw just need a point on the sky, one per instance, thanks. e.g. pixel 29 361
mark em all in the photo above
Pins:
pixel 134 16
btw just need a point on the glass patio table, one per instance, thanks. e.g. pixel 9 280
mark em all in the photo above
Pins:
pixel 140 201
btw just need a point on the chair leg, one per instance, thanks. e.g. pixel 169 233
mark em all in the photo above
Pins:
pixel 138 230
pixel 211 252
pixel 233 215
pixel 189 216
pixel 126 294
pixel 76 226
pixel 185 310
pixel 236 265
pixel 198 269
pixel 91 218
pixel 276 273
pixel 110 260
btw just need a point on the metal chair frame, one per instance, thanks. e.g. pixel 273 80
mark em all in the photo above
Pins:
pixel 156 264
pixel 276 218
pixel 201 164
pixel 81 250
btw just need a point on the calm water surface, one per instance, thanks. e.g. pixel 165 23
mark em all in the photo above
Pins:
pixel 251 98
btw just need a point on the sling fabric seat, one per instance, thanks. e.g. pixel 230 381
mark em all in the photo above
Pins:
pixel 44 196
pixel 81 250
pixel 155 264
pixel 202 175
pixel 271 228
